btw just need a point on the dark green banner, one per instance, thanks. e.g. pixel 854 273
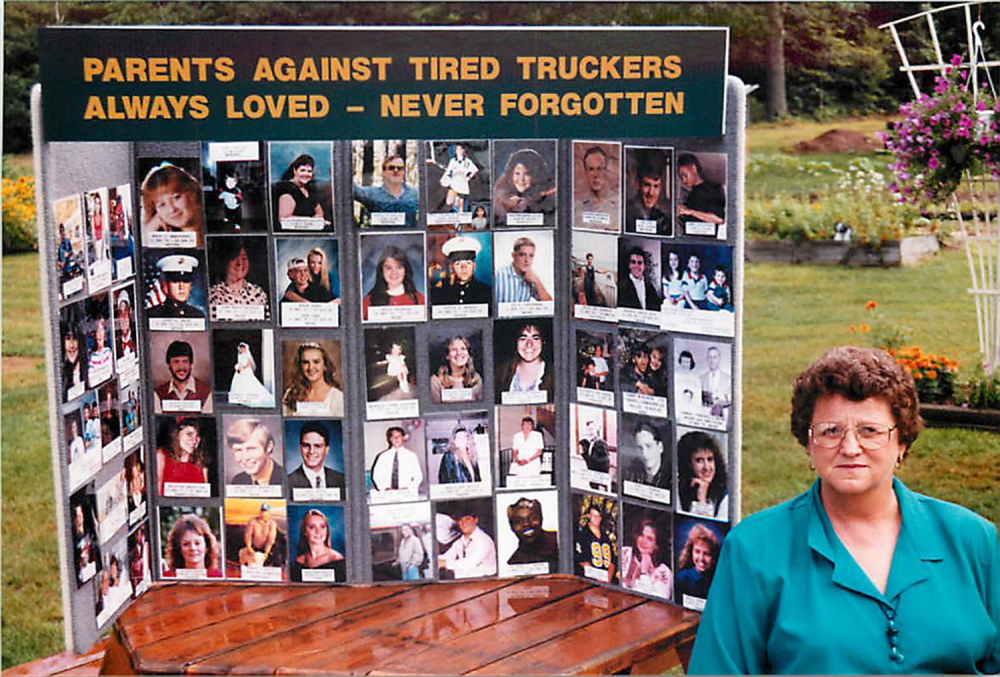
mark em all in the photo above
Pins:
pixel 104 84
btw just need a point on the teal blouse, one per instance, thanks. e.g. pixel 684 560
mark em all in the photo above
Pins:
pixel 788 598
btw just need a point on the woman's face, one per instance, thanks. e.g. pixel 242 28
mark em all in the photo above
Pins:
pixel 646 540
pixel 527 427
pixel 462 440
pixel 686 362
pixel 460 152
pixel 99 336
pixel 393 272
pixel 193 550
pixel 71 348
pixel 303 174
pixel 703 464
pixel 238 267
pixel 315 263
pixel 458 354
pixel 312 364
pixel 641 361
pixel 480 212
pixel 701 555
pixel 521 178
pixel 316 530
pixel 850 469
pixel 674 260
pixel 174 207
pixel 529 344
pixel 243 349
pixel 655 359
pixel 188 439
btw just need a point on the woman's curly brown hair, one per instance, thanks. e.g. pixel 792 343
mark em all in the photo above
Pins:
pixel 857 374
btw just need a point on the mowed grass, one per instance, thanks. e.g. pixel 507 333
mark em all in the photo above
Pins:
pixel 32 605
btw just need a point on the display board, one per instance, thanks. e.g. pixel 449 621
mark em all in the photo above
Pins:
pixel 294 341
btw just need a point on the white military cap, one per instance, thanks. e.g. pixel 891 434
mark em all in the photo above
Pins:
pixel 177 264
pixel 461 245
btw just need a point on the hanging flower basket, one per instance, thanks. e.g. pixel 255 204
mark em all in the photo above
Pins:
pixel 943 137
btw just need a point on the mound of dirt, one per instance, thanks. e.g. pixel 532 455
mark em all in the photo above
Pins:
pixel 839 141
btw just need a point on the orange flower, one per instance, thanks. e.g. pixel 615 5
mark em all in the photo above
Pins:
pixel 931 374
pixel 871 305
pixel 852 329
pixel 917 376
pixel 864 328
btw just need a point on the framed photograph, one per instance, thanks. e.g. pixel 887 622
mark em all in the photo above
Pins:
pixel 460 275
pixel 649 189
pixel 253 456
pixel 171 203
pixel 235 187
pixel 109 406
pixel 240 279
pixel 98 239
pixel 395 461
pixel 100 354
pixel 697 292
pixel 595 537
pixel 391 278
pixel 391 373
pixel 524 366
pixel 82 423
pixel 593 458
pixel 317 538
pixel 595 368
pixel 524 192
pixel 112 506
pixel 73 342
pixel 314 457
pixel 639 290
pixel 642 376
pixel 132 415
pixel 256 539
pixel 244 367
pixel 528 533
pixel 114 586
pixel 307 269
pixel 140 560
pixel 301 186
pixel 135 476
pixel 455 356
pixel 458 455
pixel 524 273
pixel 697 544
pixel 402 542
pixel 457 185
pixel 466 531
pixel 313 378
pixel 70 240
pixel 126 345
pixel 597 186
pixel 122 219
pixel 86 549
pixel 703 383
pixel 176 291
pixel 701 194
pixel 645 551
pixel 702 474
pixel 525 445
pixel 182 372
pixel 190 542
pixel 385 178
pixel 186 457
pixel 647 466
pixel 594 283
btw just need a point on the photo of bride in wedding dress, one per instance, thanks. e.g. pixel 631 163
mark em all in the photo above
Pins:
pixel 238 354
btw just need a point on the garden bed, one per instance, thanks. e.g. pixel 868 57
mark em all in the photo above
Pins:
pixel 906 252
pixel 952 416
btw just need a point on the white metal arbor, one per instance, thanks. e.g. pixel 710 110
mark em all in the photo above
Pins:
pixel 980 226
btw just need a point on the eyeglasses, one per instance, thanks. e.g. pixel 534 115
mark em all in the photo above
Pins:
pixel 396 168
pixel 868 435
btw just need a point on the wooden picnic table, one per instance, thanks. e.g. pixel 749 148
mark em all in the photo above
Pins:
pixel 531 626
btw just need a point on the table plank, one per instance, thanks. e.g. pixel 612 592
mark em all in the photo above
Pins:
pixel 269 654
pixel 209 610
pixel 169 596
pixel 608 646
pixel 173 653
pixel 523 631
pixel 387 643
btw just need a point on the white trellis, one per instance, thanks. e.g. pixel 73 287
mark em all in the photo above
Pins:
pixel 980 228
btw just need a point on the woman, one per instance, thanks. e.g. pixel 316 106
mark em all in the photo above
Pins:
pixel 315 551
pixel 245 385
pixel 859 574
pixel 74 369
pixel 171 202
pixel 673 280
pixel 643 566
pixel 135 471
pixel 456 177
pixel 191 545
pixel 701 476
pixel 687 387
pixel 319 272
pixel 182 460
pixel 296 191
pixel 234 289
pixel 409 554
pixel 527 370
pixel 461 462
pixel 696 564
pixel 314 390
pixel 457 371
pixel 393 284
pixel 526 449
pixel 97 227
pixel 526 185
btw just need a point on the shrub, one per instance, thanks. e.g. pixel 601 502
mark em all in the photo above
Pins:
pixel 979 391
pixel 19 230
pixel 934 375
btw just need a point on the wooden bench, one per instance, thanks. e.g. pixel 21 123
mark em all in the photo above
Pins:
pixel 545 625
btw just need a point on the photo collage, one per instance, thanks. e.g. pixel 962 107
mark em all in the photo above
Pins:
pixel 437 380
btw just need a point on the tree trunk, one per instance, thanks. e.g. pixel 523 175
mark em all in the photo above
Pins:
pixel 777 102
